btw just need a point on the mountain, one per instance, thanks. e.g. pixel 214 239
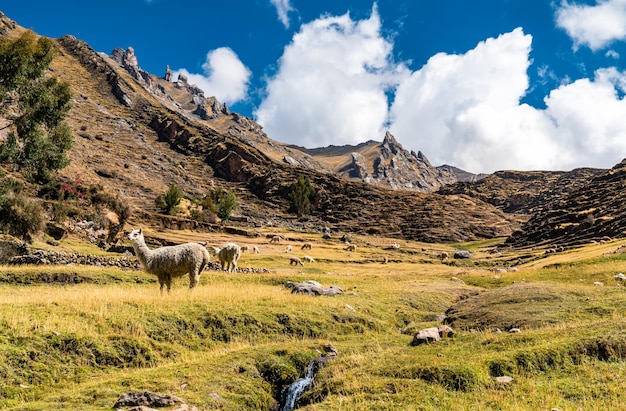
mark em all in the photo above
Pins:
pixel 524 192
pixel 591 212
pixel 137 133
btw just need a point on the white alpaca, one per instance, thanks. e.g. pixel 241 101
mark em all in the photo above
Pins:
pixel 256 250
pixel 288 249
pixel 308 259
pixel 306 246
pixel 228 256
pixel 171 261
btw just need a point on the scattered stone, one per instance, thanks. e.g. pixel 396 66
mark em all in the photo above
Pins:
pixel 312 287
pixel 598 283
pixel 462 254
pixel 505 379
pixel 620 276
pixel 145 398
pixel 515 330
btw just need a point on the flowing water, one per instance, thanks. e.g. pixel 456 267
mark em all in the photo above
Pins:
pixel 293 392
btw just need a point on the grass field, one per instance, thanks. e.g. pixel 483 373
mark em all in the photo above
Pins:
pixel 234 341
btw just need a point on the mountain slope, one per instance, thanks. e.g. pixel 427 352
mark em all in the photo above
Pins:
pixel 591 212
pixel 136 134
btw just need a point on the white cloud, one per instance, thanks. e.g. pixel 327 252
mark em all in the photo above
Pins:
pixel 224 77
pixel 594 26
pixel 283 7
pixel 465 110
pixel 333 81
pixel 330 85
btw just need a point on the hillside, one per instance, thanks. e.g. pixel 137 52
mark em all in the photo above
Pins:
pixel 591 212
pixel 134 137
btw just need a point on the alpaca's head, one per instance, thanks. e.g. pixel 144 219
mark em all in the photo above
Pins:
pixel 136 235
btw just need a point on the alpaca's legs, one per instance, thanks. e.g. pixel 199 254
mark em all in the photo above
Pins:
pixel 194 278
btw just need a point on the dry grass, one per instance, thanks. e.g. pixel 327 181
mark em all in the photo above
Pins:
pixel 119 334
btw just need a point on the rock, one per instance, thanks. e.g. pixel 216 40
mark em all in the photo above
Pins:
pixel 504 379
pixel 461 254
pixel 620 276
pixel 515 330
pixel 55 231
pixel 312 287
pixel 145 398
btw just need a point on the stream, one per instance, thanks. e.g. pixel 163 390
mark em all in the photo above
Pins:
pixel 291 393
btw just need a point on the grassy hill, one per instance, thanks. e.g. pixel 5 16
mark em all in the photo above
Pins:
pixel 236 340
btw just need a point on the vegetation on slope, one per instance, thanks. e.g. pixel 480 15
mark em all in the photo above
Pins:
pixel 237 340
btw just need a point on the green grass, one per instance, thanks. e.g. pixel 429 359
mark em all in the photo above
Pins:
pixel 77 337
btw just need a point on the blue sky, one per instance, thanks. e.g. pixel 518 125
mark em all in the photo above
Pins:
pixel 483 85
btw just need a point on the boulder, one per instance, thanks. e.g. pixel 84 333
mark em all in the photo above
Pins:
pixel 461 254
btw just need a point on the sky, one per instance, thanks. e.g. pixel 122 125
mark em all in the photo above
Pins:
pixel 483 85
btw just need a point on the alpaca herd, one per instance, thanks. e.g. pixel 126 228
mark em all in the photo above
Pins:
pixel 192 258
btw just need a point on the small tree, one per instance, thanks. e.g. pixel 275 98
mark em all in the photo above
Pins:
pixel 220 202
pixel 35 105
pixel 172 198
pixel 302 193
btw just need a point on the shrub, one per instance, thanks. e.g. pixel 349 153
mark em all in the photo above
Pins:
pixel 170 200
pixel 22 217
pixel 220 202
pixel 301 196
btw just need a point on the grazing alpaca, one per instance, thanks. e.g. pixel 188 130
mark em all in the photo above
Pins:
pixel 295 261
pixel 171 261
pixel 350 247
pixel 308 259
pixel 256 250
pixel 228 256
pixel 288 249
pixel 306 246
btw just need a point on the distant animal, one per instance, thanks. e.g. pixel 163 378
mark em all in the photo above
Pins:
pixel 350 247
pixel 171 261
pixel 308 259
pixel 244 248
pixel 306 246
pixel 444 256
pixel 256 250
pixel 396 246
pixel 288 249
pixel 276 239
pixel 229 255
pixel 385 259
pixel 295 261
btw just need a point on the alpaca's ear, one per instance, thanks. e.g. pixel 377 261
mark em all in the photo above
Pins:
pixel 140 230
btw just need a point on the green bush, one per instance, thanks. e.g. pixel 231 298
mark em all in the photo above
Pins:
pixel 220 202
pixel 301 196
pixel 170 200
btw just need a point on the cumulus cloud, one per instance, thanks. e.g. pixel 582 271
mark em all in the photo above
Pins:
pixel 283 8
pixel 593 26
pixel 331 83
pixel 224 76
pixel 465 110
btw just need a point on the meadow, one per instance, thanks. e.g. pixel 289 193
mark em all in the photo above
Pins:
pixel 237 339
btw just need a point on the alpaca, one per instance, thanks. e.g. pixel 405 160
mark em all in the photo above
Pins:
pixel 308 259
pixel 228 256
pixel 350 247
pixel 288 249
pixel 170 261
pixel 306 246
pixel 295 261
pixel 275 239
pixel 256 250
